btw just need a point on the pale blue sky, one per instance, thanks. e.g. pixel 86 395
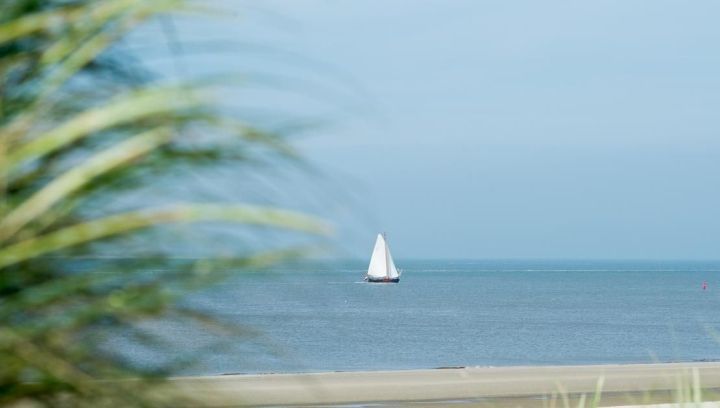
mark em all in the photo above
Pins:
pixel 501 129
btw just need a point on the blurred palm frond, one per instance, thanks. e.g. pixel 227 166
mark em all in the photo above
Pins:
pixel 83 126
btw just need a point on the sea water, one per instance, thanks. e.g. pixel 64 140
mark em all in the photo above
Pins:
pixel 323 317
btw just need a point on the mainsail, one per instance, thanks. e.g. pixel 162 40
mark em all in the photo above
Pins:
pixel 381 262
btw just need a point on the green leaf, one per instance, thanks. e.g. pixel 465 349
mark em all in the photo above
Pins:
pixel 80 175
pixel 125 109
pixel 73 54
pixel 135 220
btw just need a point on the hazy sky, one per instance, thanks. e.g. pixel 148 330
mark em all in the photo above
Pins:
pixel 504 129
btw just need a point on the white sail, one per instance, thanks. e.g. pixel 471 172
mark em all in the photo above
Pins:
pixel 381 262
pixel 378 261
pixel 392 271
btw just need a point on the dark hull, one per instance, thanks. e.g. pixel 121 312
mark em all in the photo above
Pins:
pixel 381 280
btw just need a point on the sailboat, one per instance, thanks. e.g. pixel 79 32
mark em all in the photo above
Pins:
pixel 382 268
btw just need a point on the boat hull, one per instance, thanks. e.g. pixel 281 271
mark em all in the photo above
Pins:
pixel 381 280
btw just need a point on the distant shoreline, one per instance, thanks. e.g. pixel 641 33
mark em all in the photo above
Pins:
pixel 708 360
pixel 621 384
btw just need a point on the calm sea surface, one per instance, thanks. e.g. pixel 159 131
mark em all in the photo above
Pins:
pixel 463 313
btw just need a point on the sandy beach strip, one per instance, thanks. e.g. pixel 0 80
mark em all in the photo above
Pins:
pixel 481 386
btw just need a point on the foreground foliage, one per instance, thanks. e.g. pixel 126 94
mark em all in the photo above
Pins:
pixel 81 126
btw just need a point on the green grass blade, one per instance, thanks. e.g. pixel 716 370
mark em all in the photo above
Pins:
pixel 136 220
pixel 73 57
pixel 49 20
pixel 80 175
pixel 696 387
pixel 32 23
pixel 598 392
pixel 125 109
pixel 97 18
pixel 581 402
